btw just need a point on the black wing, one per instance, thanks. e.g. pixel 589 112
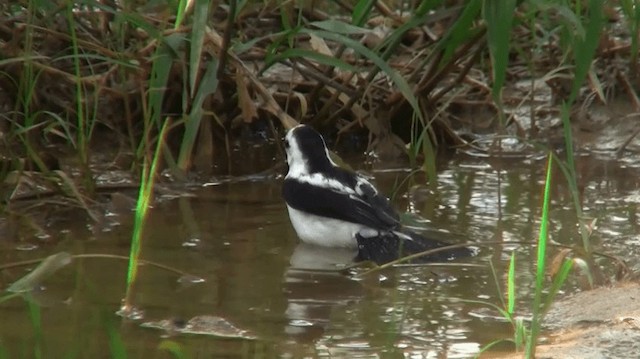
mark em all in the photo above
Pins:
pixel 357 203
pixel 387 246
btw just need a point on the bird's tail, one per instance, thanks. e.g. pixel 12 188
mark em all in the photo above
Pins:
pixel 386 246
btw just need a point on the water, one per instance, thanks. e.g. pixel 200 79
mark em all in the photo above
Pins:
pixel 291 300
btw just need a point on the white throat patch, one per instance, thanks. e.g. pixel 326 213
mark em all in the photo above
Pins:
pixel 295 158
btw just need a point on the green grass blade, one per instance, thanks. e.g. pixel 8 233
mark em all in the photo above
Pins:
pixel 180 13
pixel 540 265
pixel 313 56
pixel 142 209
pixel 21 59
pixel 429 155
pixel 498 16
pixel 4 354
pixel 123 62
pixel 200 16
pixel 117 348
pixel 208 86
pixel 488 304
pixel 239 48
pixel 176 349
pixel 427 6
pixel 285 19
pixel 585 48
pixel 570 173
pixel 490 345
pixel 81 118
pixel 340 27
pixel 361 11
pixel 160 70
pixel 511 285
pixel 461 30
pixel 35 314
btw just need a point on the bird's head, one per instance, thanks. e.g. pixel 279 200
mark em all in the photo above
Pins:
pixel 306 151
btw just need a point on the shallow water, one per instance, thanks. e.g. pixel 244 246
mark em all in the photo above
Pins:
pixel 291 300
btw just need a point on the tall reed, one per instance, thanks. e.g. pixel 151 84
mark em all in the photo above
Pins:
pixel 540 303
pixel 145 194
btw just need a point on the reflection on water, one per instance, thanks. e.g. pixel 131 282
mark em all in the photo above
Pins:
pixel 298 300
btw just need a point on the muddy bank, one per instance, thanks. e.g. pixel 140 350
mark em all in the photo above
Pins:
pixel 600 323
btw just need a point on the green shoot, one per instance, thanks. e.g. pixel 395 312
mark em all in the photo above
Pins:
pixel 530 349
pixel 142 209
pixel 36 321
pixel 511 285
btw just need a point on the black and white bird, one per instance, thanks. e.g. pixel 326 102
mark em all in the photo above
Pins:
pixel 332 207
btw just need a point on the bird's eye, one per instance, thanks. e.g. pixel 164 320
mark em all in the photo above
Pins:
pixel 286 144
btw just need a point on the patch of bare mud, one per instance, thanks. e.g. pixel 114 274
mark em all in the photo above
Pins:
pixel 600 323
pixel 611 127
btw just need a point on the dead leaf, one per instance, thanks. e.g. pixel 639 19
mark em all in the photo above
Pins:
pixel 556 262
pixel 303 103
pixel 270 103
pixel 319 45
pixel 248 108
pixel 44 270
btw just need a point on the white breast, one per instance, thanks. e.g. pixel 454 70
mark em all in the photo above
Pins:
pixel 322 231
